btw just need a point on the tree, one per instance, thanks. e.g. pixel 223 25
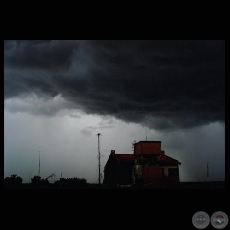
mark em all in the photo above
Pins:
pixel 13 182
pixel 36 180
pixel 71 183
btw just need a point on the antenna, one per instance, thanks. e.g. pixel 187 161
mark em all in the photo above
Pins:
pixel 208 171
pixel 146 134
pixel 99 157
pixel 39 164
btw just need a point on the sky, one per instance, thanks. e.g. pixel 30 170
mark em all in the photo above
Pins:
pixel 59 94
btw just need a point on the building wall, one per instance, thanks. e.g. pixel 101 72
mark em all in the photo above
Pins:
pixel 125 174
pixel 172 176
pixel 148 148
pixel 166 169
pixel 150 173
pixel 146 174
pixel 111 173
pixel 118 173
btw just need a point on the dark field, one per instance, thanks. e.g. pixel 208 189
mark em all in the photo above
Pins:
pixel 181 185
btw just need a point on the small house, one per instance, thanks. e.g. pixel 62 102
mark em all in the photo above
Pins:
pixel 147 167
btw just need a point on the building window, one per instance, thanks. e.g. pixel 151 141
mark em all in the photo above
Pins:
pixel 172 172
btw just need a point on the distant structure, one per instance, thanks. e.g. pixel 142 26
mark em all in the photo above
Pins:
pixel 53 177
pixel 147 167
pixel 208 172
pixel 99 159
pixel 39 164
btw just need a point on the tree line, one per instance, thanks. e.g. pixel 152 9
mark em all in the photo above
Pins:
pixel 37 182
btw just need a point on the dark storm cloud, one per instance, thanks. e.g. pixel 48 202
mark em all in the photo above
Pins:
pixel 31 66
pixel 39 54
pixel 159 84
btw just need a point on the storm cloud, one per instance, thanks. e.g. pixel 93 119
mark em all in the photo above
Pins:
pixel 163 85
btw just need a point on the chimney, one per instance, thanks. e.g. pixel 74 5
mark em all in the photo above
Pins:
pixel 112 151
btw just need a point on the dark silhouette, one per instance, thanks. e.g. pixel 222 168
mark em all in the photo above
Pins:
pixel 37 183
pixel 13 182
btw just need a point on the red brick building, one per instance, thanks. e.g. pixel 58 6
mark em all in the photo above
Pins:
pixel 147 167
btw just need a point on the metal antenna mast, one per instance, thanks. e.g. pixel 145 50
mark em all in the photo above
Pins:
pixel 99 157
pixel 39 164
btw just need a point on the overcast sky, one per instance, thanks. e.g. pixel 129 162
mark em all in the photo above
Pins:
pixel 59 94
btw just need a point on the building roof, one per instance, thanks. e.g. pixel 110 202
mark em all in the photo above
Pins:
pixel 161 152
pixel 167 159
pixel 127 157
pixel 121 158
pixel 147 142
pixel 130 158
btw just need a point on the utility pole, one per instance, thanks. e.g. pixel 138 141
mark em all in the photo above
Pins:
pixel 61 180
pixel 39 164
pixel 146 134
pixel 99 156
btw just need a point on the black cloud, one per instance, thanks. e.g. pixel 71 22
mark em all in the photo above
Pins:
pixel 160 84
